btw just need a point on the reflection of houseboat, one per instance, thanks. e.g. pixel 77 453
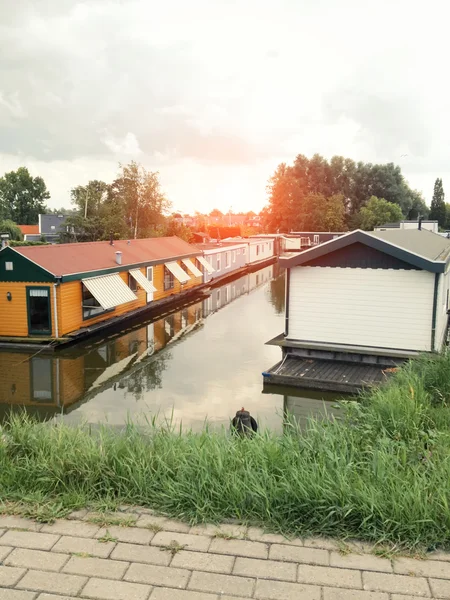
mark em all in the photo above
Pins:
pixel 362 303
pixel 66 291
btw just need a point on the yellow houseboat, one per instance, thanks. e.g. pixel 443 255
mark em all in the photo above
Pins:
pixel 59 292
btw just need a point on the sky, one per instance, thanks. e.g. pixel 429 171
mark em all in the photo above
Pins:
pixel 214 95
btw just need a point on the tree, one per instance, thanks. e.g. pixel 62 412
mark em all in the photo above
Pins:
pixel 22 197
pixel 437 210
pixel 139 191
pixel 378 211
pixel 8 226
pixel 89 198
pixel 216 213
pixel 178 229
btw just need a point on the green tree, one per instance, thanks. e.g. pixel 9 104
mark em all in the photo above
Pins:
pixel 437 209
pixel 378 211
pixel 139 192
pixel 22 197
pixel 89 198
pixel 178 229
pixel 8 226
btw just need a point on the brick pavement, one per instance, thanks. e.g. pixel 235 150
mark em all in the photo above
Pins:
pixel 135 555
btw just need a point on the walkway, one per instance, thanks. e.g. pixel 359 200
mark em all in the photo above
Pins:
pixel 136 555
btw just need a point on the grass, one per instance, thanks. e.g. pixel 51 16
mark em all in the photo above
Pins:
pixel 381 473
pixel 106 520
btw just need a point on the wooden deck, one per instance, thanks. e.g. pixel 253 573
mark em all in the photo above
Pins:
pixel 325 375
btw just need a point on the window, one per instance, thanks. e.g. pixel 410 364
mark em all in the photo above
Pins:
pixel 168 279
pixel 218 263
pixel 132 283
pixel 316 239
pixel 226 295
pixel 185 269
pixel 52 227
pixel 227 259
pixel 257 250
pixel 38 305
pixel 9 266
pixel 243 251
pixel 234 255
pixel 41 379
pixel 91 306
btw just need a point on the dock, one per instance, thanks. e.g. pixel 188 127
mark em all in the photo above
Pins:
pixel 336 376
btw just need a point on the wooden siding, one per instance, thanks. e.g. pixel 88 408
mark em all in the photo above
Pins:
pixel 14 313
pixel 70 310
pixel 158 282
pixel 366 307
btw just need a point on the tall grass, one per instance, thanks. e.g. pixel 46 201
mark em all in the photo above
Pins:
pixel 380 473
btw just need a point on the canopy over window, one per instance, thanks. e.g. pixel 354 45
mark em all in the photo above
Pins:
pixel 142 280
pixel 109 290
pixel 206 264
pixel 177 272
pixel 192 268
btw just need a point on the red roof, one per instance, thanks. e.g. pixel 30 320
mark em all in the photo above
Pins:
pixel 28 229
pixel 68 259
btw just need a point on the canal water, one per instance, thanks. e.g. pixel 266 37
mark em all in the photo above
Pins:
pixel 199 364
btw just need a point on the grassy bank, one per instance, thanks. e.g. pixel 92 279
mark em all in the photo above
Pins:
pixel 382 473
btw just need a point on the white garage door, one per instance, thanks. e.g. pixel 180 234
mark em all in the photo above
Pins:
pixel 383 308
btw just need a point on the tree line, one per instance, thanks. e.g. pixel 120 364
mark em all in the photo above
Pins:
pixel 314 194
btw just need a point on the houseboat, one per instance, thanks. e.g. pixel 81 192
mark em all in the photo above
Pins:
pixel 260 250
pixel 225 259
pixel 420 224
pixel 296 241
pixel 359 304
pixel 57 293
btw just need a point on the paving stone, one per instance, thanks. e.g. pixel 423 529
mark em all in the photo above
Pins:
pixel 319 542
pixel 36 559
pixel 10 575
pixel 344 578
pixel 440 588
pixel 29 539
pixel 233 531
pixel 402 597
pixel 312 556
pixel 4 551
pixel 424 568
pixel 73 528
pixel 142 554
pixel 335 594
pixel 265 569
pixel 53 597
pixel 279 590
pixel 9 594
pixel 10 521
pixel 131 535
pixel 197 543
pixel 155 575
pixel 364 562
pixel 109 569
pixel 439 555
pixel 105 589
pixel 58 583
pixel 203 561
pixel 221 584
pixel 83 546
pixel 239 548
pixel 162 522
pixel 384 582
pixel 163 593
pixel 256 534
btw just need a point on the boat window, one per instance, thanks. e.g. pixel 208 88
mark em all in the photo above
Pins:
pixel 168 279
pixel 132 283
pixel 91 306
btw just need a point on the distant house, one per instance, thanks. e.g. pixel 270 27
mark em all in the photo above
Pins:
pixel 49 226
pixel 299 240
pixel 422 224
pixel 223 258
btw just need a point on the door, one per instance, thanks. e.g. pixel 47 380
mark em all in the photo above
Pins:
pixel 150 278
pixel 39 317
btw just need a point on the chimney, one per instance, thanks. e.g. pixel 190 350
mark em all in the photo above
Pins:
pixel 420 222
pixel 111 238
pixel 119 257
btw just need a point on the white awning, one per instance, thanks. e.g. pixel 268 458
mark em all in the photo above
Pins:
pixel 206 264
pixel 109 290
pixel 178 272
pixel 192 268
pixel 142 281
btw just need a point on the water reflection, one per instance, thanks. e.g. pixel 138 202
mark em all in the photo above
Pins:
pixel 204 361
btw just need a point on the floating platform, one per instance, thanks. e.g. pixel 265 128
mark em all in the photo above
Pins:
pixel 336 376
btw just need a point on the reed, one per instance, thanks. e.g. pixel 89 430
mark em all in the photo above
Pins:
pixel 380 473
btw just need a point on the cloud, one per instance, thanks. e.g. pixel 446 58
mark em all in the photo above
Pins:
pixel 227 88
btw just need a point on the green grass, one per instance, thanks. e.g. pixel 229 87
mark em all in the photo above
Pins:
pixel 380 473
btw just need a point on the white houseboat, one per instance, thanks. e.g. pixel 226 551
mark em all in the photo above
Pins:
pixel 361 303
